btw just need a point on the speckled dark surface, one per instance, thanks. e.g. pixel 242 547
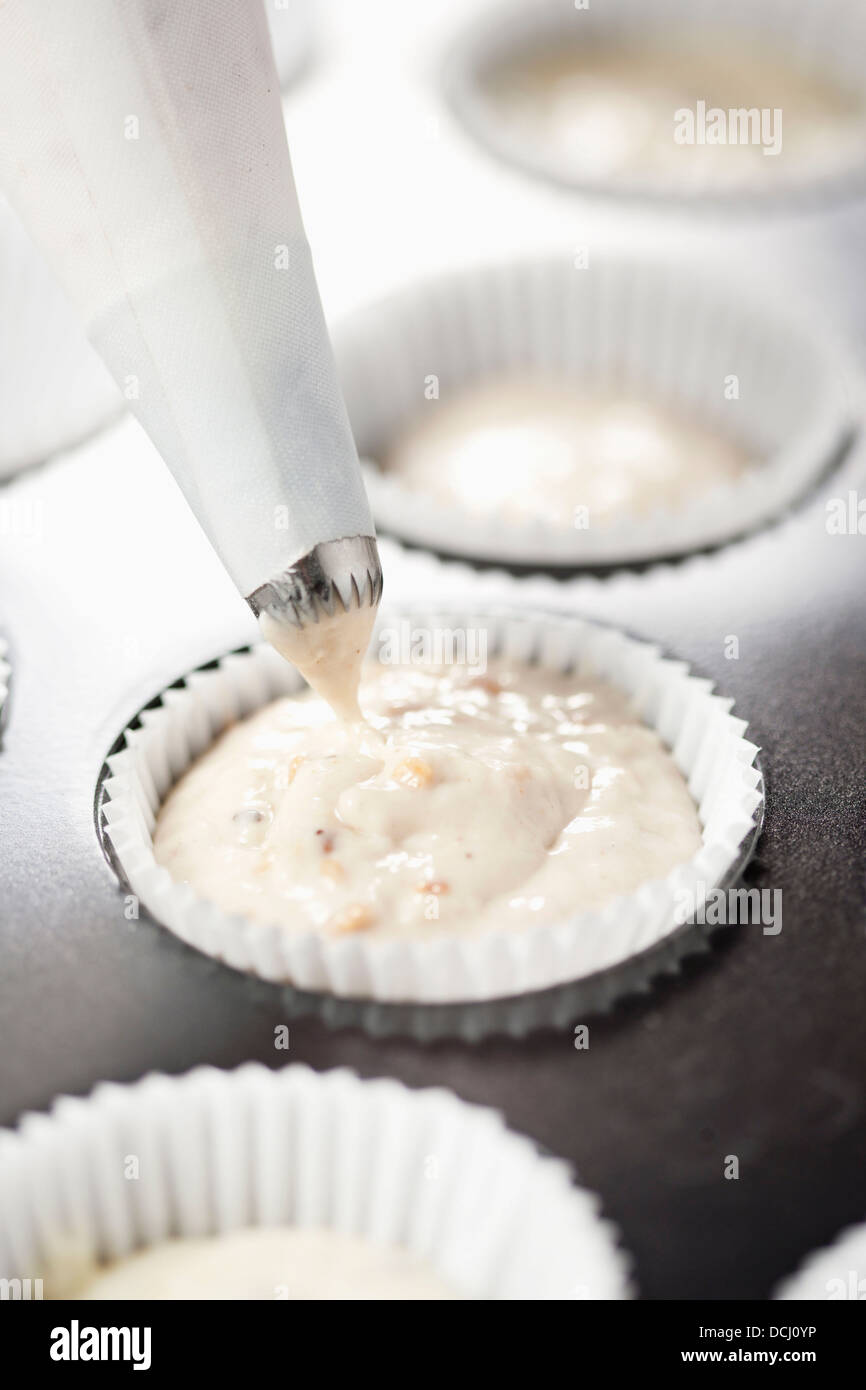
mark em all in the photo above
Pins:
pixel 756 1049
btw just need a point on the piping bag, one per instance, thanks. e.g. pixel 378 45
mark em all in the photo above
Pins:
pixel 142 144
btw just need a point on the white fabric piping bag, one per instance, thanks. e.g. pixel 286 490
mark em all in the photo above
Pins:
pixel 143 145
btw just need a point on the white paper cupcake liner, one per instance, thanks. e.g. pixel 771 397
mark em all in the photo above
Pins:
pixel 834 1274
pixel 707 743
pixel 651 328
pixel 54 391
pixel 828 39
pixel 220 1151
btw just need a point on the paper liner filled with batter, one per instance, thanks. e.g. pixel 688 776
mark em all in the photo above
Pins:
pixel 602 68
pixel 735 366
pixel 216 1152
pixel 708 747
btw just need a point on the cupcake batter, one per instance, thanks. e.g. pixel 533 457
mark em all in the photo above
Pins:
pixel 328 653
pixel 599 110
pixel 540 450
pixel 269 1263
pixel 469 800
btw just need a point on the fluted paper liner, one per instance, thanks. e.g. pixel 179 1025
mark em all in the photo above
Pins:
pixel 218 1151
pixel 836 1273
pixel 655 328
pixel 827 40
pixel 707 743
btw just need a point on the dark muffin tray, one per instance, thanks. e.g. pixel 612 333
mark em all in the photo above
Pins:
pixel 754 1048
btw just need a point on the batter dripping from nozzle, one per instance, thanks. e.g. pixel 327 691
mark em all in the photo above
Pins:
pixel 319 615
pixel 328 654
